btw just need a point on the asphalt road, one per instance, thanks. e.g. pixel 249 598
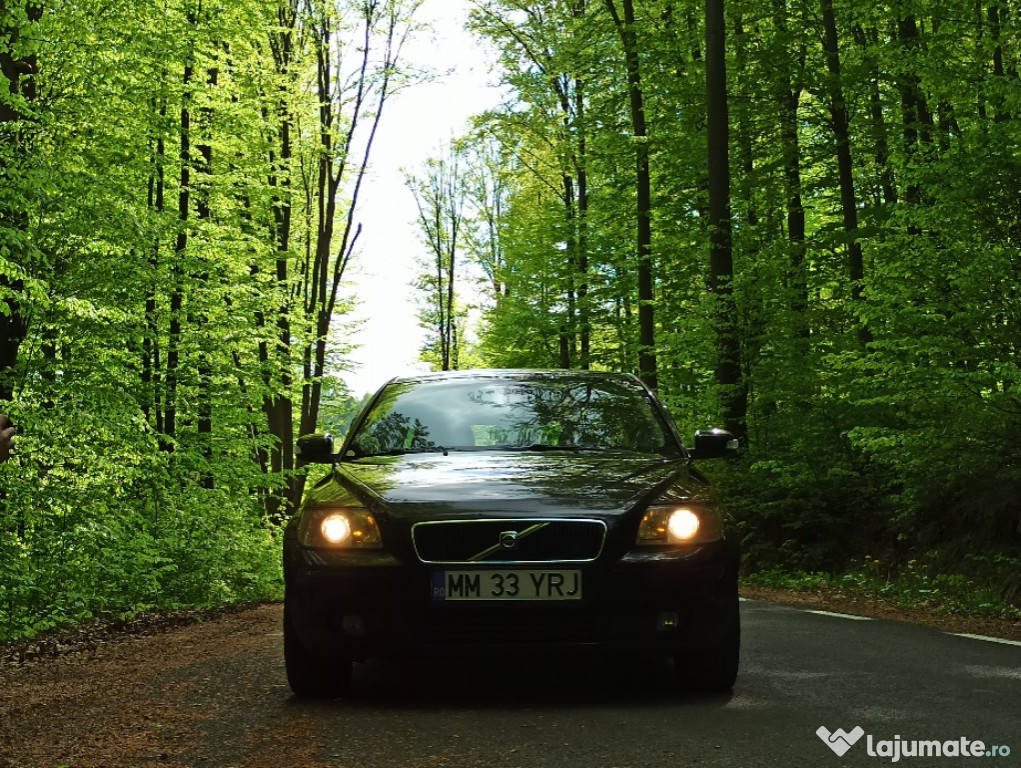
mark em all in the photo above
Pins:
pixel 907 688
pixel 800 671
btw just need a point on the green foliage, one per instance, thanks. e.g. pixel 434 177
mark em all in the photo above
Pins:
pixel 882 394
pixel 95 521
pixel 168 271
pixel 917 584
pixel 168 288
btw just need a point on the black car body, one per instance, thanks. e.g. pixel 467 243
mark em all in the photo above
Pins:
pixel 511 510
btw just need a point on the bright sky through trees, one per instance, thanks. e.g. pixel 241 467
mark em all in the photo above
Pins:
pixel 417 122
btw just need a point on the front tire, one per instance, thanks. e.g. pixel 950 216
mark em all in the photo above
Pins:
pixel 311 676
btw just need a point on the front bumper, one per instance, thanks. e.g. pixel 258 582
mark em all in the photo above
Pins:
pixel 373 605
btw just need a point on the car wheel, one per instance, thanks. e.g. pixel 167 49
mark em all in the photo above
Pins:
pixel 312 676
pixel 713 671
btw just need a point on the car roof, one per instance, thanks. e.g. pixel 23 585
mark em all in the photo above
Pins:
pixel 514 373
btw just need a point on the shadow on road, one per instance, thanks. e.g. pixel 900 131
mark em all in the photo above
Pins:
pixel 512 683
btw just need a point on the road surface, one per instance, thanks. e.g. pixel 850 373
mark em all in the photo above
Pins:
pixel 215 694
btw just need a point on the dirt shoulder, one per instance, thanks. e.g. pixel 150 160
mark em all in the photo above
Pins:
pixel 139 697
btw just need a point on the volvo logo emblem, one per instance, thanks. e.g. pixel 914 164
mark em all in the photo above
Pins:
pixel 509 540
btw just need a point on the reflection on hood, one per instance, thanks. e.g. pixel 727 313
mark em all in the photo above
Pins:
pixel 466 483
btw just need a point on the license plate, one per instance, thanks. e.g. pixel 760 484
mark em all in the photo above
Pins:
pixel 506 585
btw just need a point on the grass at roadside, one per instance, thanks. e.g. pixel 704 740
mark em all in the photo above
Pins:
pixel 913 592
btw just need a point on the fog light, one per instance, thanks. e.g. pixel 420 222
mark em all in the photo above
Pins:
pixel 354 625
pixel 667 620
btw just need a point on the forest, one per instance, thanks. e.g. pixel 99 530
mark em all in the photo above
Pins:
pixel 798 219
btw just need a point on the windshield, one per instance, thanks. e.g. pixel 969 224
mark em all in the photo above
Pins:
pixel 513 414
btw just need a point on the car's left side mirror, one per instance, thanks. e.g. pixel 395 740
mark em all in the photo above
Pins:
pixel 315 449
pixel 714 444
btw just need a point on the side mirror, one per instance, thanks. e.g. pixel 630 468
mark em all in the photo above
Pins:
pixel 314 449
pixel 714 444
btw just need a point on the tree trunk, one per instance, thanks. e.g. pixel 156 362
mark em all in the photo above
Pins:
pixel 581 239
pixel 916 117
pixel 880 143
pixel 643 192
pixel 276 359
pixel 581 228
pixel 152 405
pixel 721 266
pixel 997 17
pixel 845 169
pixel 180 254
pixel 203 212
pixel 790 103
pixel 20 75
pixel 569 327
pixel 439 198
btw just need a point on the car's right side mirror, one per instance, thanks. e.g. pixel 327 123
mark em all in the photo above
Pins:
pixel 315 449
pixel 714 444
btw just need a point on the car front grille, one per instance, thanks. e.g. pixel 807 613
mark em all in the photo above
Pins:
pixel 509 541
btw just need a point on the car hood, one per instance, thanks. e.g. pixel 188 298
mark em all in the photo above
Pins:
pixel 427 486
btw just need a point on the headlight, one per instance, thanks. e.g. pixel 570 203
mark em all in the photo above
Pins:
pixel 680 525
pixel 339 528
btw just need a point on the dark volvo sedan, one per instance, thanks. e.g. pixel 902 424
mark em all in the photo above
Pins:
pixel 531 511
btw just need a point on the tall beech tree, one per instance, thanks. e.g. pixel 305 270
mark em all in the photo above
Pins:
pixel 551 82
pixel 624 21
pixel 440 196
pixel 721 263
pixel 351 105
pixel 19 22
pixel 840 123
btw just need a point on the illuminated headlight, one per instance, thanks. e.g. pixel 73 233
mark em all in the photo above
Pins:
pixel 336 529
pixel 339 528
pixel 680 525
